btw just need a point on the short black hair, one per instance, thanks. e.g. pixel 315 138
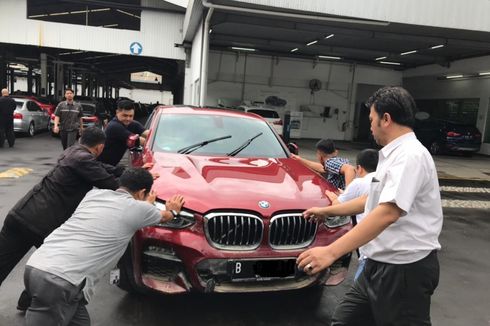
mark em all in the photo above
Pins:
pixel 368 159
pixel 125 105
pixel 326 145
pixel 69 90
pixel 135 179
pixel 397 102
pixel 92 136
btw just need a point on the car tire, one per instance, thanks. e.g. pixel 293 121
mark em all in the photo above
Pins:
pixel 126 276
pixel 31 131
pixel 435 148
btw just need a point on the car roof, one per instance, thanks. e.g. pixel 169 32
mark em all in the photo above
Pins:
pixel 187 109
pixel 21 99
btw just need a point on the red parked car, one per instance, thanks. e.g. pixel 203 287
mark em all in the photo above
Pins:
pixel 241 227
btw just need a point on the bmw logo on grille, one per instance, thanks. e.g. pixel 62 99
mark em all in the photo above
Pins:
pixel 264 204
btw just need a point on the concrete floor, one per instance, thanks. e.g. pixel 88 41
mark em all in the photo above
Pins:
pixel 461 298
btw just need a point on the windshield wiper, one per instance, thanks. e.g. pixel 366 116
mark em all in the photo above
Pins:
pixel 192 148
pixel 244 145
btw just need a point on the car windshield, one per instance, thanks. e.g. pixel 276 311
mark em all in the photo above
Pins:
pixel 88 110
pixel 265 113
pixel 176 131
pixel 19 104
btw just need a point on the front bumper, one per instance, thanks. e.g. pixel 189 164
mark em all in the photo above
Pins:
pixel 176 261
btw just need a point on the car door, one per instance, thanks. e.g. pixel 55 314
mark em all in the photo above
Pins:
pixel 42 115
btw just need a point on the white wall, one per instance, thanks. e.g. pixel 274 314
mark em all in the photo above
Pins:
pixel 193 71
pixel 159 32
pixel 148 96
pixel 471 15
pixel 288 79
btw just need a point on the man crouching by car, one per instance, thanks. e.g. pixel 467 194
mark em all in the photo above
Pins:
pixel 61 275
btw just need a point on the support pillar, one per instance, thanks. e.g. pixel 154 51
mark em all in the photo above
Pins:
pixel 12 81
pixel 3 72
pixel 29 80
pixel 84 84
pixel 59 83
pixel 43 91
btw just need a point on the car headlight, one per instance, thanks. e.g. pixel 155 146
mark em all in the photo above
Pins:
pixel 181 221
pixel 336 221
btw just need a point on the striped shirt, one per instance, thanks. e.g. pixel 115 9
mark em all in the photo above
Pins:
pixel 69 114
pixel 332 167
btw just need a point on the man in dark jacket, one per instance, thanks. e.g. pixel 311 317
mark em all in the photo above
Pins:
pixel 7 108
pixel 53 200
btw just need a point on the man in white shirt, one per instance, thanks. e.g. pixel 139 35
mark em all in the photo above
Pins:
pixel 62 274
pixel 400 231
pixel 366 162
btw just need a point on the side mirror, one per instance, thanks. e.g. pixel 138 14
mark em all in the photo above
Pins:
pixel 293 148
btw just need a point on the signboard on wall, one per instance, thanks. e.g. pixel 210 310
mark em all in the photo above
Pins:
pixel 296 124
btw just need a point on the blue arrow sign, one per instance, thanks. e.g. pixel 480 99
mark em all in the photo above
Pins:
pixel 136 48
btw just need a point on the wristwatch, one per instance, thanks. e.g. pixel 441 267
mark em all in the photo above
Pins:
pixel 174 213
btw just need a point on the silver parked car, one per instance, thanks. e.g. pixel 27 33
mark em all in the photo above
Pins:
pixel 29 117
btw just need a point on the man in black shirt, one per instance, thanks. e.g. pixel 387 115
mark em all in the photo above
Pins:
pixel 53 200
pixel 122 133
pixel 7 108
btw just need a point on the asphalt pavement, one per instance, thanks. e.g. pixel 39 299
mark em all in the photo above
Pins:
pixel 461 298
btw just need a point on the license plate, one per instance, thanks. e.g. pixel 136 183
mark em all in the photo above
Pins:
pixel 261 269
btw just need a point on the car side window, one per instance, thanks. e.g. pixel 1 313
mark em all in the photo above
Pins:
pixel 31 107
pixel 36 107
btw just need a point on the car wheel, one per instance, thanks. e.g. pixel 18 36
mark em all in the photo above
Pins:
pixel 126 275
pixel 31 130
pixel 435 148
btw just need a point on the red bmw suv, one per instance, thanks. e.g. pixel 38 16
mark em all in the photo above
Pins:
pixel 241 227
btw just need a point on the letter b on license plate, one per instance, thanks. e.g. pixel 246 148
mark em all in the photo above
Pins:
pixel 239 269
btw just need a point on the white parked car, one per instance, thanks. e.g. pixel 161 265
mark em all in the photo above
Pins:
pixel 269 114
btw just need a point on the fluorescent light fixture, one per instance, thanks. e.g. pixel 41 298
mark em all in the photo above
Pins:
pixel 454 76
pixel 329 36
pixel 329 57
pixel 37 16
pixel 127 13
pixel 210 30
pixel 294 50
pixel 391 63
pixel 73 52
pixel 110 25
pixel 242 49
pixel 312 42
pixel 486 73
pixel 408 52
pixel 437 46
pixel 59 13
pixel 101 9
pixel 380 58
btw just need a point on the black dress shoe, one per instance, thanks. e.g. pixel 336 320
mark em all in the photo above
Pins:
pixel 24 301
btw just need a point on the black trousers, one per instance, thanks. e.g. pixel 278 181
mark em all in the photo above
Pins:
pixel 15 242
pixel 389 294
pixel 7 132
pixel 68 138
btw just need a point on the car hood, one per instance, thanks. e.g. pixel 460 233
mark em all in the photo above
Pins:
pixel 210 183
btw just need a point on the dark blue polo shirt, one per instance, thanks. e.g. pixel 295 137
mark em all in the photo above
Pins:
pixel 115 144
